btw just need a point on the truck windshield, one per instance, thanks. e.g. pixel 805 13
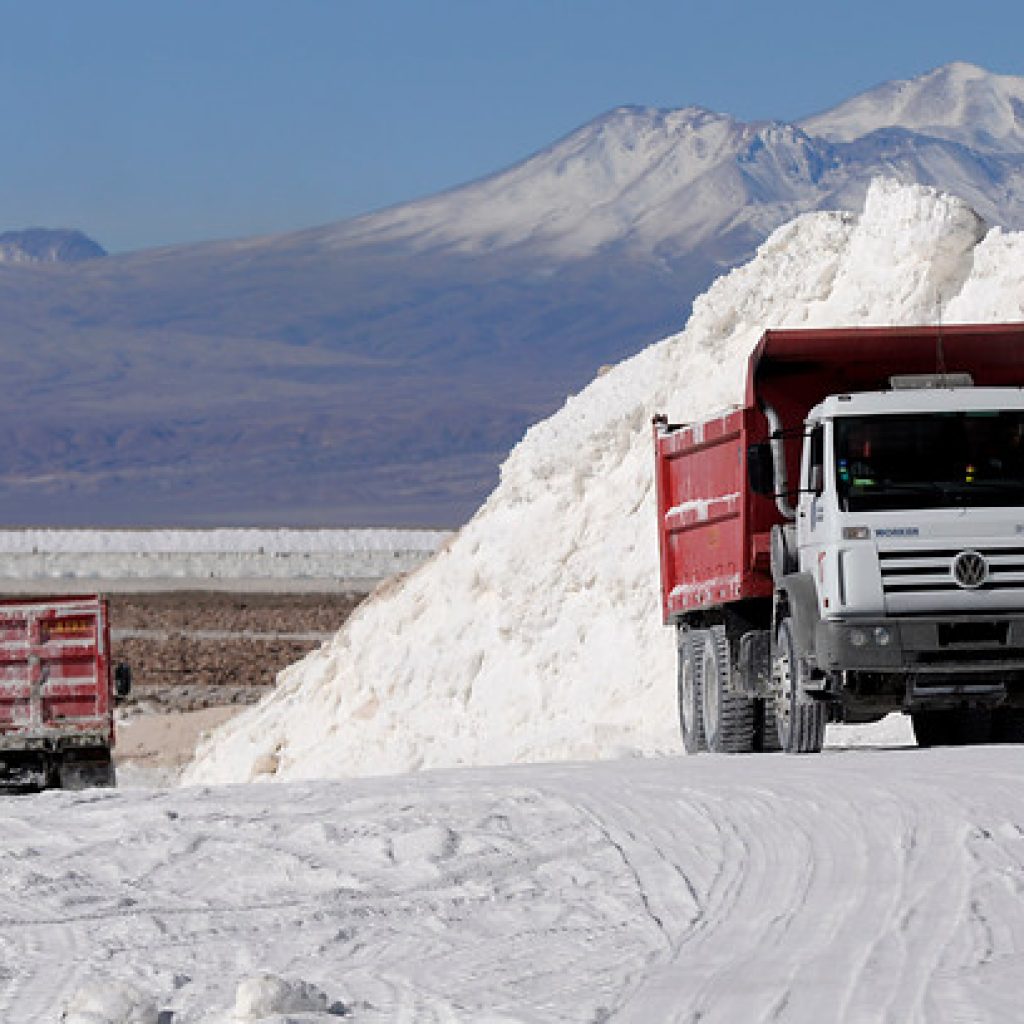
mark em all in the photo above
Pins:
pixel 932 460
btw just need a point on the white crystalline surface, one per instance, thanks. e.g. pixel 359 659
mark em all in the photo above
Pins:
pixel 856 885
pixel 110 1003
pixel 536 633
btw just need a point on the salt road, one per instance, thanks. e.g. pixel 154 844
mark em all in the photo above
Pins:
pixel 858 885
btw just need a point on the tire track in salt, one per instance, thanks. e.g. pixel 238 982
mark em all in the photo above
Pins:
pixel 835 886
pixel 739 870
pixel 914 915
pixel 865 886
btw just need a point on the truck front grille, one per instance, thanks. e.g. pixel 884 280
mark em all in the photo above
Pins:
pixel 930 571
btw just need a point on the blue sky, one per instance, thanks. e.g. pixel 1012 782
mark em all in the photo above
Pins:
pixel 150 122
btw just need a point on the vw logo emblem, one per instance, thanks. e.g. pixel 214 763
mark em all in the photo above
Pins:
pixel 970 570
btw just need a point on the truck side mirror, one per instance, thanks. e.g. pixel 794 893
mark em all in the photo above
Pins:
pixel 761 468
pixel 122 680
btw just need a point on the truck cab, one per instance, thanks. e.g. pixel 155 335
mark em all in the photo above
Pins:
pixel 910 526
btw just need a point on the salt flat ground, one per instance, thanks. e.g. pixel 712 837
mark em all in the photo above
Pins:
pixel 858 885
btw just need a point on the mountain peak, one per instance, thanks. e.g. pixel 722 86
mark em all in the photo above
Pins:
pixel 46 245
pixel 959 101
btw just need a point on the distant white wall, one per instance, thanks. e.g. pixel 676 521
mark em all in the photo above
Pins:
pixel 249 559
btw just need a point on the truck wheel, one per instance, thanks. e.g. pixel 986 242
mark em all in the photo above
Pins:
pixel 85 769
pixel 952 728
pixel 728 716
pixel 766 729
pixel 800 719
pixel 1008 725
pixel 976 726
pixel 933 728
pixel 691 702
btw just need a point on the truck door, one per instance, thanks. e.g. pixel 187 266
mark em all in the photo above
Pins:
pixel 815 518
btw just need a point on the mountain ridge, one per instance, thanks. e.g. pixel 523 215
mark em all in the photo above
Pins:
pixel 941 103
pixel 374 371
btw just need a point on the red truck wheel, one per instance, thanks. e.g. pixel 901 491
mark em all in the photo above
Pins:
pixel 766 727
pixel 1008 725
pixel 690 689
pixel 728 716
pixel 954 728
pixel 800 719
pixel 84 769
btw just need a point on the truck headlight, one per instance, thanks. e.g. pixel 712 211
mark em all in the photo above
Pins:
pixel 883 636
pixel 856 533
pixel 858 637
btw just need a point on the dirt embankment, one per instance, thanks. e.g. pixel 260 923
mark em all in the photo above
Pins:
pixel 190 650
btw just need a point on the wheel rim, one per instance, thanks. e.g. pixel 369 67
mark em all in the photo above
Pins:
pixel 712 693
pixel 783 703
pixel 686 705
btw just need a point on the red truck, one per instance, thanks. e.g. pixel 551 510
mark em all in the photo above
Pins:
pixel 57 692
pixel 850 541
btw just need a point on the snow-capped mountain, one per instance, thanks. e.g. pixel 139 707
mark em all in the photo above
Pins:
pixel 958 102
pixel 605 184
pixel 45 245
pixel 374 372
pixel 665 182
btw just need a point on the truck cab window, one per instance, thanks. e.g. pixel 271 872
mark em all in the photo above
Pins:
pixel 912 461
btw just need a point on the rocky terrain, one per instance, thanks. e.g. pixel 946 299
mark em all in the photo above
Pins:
pixel 190 650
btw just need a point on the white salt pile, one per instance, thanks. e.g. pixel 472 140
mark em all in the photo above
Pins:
pixel 260 999
pixel 110 1002
pixel 536 634
pixel 269 999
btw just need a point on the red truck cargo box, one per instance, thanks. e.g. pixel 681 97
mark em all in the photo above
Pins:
pixel 714 530
pixel 54 672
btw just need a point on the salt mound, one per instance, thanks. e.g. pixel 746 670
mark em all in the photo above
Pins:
pixel 110 1002
pixel 536 633
pixel 269 999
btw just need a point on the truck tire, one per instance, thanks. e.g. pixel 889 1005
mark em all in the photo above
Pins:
pixel 728 716
pixel 933 728
pixel 766 729
pixel 800 719
pixel 690 648
pixel 1008 725
pixel 86 769
pixel 955 728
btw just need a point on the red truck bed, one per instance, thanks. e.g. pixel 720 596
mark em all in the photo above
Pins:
pixel 55 690
pixel 714 530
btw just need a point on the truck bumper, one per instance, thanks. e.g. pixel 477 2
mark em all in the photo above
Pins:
pixel 912 663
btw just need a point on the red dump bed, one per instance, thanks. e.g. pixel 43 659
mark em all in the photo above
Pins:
pixel 713 530
pixel 55 671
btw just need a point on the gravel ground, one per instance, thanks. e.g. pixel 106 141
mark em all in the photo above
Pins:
pixel 191 650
